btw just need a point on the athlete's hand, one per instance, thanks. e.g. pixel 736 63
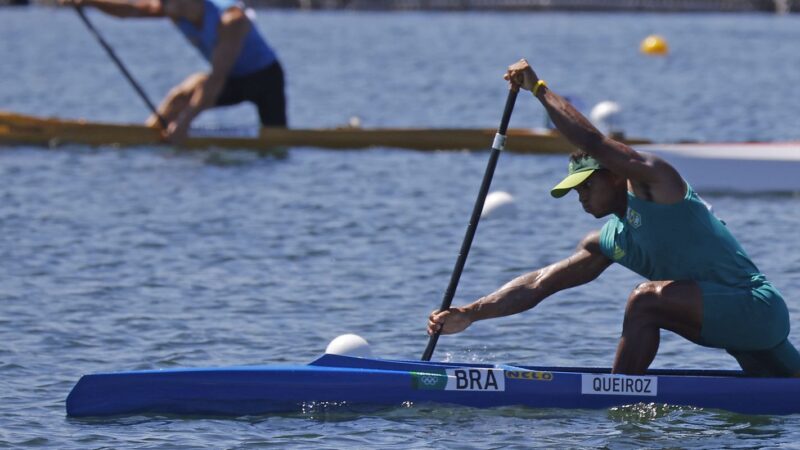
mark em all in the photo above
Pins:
pixel 454 320
pixel 521 75
pixel 177 131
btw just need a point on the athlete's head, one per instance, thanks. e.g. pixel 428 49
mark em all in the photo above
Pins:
pixel 598 188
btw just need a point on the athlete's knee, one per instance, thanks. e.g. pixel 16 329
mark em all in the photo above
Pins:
pixel 642 303
pixel 644 296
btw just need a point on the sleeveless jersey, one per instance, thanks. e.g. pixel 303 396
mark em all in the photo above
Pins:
pixel 255 55
pixel 681 241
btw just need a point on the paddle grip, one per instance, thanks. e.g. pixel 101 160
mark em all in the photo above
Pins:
pixel 473 222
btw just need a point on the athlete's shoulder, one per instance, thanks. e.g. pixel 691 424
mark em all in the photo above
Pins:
pixel 591 242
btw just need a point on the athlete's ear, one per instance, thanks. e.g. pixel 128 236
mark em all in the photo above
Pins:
pixel 618 180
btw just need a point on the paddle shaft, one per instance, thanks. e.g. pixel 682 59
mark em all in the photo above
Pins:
pixel 497 147
pixel 121 66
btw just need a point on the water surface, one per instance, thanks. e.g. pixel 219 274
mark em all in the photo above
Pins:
pixel 149 258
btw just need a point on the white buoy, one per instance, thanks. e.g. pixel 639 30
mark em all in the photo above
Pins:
pixel 606 116
pixel 349 345
pixel 498 204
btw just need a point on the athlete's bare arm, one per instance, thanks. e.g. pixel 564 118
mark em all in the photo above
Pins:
pixel 122 8
pixel 233 28
pixel 527 291
pixel 650 177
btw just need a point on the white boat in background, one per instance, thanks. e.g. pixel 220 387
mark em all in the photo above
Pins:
pixel 759 167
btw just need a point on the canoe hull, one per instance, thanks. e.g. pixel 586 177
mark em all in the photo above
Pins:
pixel 31 130
pixel 339 380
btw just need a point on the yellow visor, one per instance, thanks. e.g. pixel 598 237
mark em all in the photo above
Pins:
pixel 579 171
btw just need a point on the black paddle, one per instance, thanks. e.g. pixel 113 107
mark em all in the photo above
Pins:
pixel 497 147
pixel 121 66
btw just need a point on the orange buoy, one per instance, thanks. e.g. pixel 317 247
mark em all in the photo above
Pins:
pixel 654 45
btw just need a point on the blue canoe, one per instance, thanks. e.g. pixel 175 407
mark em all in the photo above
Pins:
pixel 349 381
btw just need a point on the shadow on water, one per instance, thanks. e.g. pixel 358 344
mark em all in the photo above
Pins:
pixel 235 158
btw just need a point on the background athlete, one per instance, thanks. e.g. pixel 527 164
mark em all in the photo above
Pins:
pixel 702 286
pixel 243 66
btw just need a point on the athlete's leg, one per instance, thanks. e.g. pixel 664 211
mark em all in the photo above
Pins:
pixel 271 103
pixel 752 324
pixel 676 306
pixel 177 99
pixel 782 360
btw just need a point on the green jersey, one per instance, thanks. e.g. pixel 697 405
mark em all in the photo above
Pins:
pixel 681 241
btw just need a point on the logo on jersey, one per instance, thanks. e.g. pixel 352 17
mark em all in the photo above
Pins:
pixel 619 253
pixel 634 218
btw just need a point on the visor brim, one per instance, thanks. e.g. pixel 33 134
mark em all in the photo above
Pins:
pixel 570 182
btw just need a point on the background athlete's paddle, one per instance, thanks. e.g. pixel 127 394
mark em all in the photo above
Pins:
pixel 121 66
pixel 497 147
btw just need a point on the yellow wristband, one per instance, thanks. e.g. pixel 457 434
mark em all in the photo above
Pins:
pixel 538 86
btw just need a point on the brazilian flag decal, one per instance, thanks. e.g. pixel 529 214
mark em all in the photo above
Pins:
pixel 433 380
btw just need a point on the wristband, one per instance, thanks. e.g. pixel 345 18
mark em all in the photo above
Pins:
pixel 538 86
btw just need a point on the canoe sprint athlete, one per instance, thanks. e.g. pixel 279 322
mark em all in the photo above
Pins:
pixel 243 66
pixel 702 286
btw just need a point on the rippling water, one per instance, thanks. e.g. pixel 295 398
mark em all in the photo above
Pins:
pixel 146 258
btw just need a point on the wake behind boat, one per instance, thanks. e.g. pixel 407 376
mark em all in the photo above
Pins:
pixel 345 381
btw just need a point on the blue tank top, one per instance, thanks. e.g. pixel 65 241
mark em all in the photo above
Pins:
pixel 681 241
pixel 256 54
